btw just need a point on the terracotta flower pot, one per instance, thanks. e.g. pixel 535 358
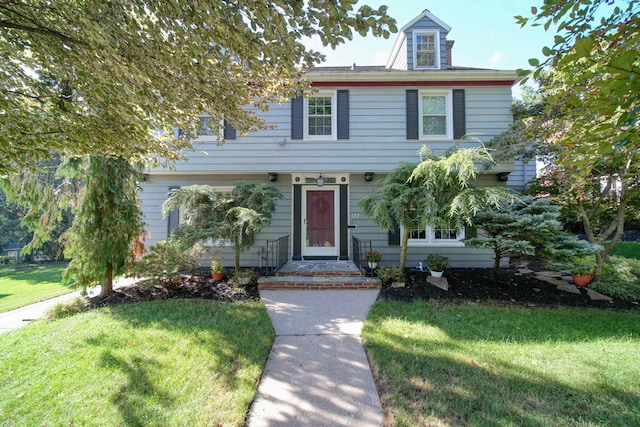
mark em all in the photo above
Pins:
pixel 217 275
pixel 581 279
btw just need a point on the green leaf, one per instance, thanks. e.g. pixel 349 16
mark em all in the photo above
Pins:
pixel 534 62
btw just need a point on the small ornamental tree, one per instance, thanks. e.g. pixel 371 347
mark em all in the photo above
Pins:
pixel 398 202
pixel 237 216
pixel 106 225
pixel 438 191
pixel 526 227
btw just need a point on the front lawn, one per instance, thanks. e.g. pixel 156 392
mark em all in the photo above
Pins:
pixel 162 363
pixel 25 284
pixel 627 250
pixel 447 364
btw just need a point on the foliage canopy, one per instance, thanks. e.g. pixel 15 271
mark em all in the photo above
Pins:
pixel 131 71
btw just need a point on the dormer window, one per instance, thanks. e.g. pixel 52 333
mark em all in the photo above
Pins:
pixel 426 53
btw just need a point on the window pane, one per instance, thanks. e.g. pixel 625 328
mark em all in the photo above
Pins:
pixel 320 106
pixel 426 59
pixel 319 125
pixel 434 105
pixel 434 125
pixel 426 42
pixel 445 234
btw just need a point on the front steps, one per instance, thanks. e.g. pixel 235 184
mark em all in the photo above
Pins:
pixel 318 275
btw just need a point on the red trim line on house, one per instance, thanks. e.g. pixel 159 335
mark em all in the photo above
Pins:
pixel 417 83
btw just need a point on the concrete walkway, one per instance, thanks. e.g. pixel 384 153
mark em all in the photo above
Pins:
pixel 13 319
pixel 317 373
pixel 22 316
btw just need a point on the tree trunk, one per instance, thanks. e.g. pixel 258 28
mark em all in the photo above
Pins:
pixel 236 261
pixel 403 248
pixel 496 263
pixel 107 287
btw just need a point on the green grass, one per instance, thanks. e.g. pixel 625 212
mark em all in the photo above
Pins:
pixel 440 364
pixel 169 363
pixel 24 284
pixel 627 250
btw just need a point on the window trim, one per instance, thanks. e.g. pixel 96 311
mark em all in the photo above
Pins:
pixel 333 94
pixel 448 94
pixel 436 35
pixel 431 240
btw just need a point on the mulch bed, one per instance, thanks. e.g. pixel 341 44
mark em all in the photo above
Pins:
pixel 199 285
pixel 465 284
pixel 510 287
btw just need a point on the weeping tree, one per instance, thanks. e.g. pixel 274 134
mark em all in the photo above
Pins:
pixel 106 224
pixel 439 191
pixel 398 202
pixel 237 216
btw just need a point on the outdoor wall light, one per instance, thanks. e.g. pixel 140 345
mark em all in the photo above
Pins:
pixel 503 176
pixel 320 181
pixel 273 177
pixel 368 176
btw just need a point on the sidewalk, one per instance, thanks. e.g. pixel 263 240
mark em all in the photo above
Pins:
pixel 317 373
pixel 24 315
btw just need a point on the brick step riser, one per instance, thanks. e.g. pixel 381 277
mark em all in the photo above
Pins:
pixel 324 286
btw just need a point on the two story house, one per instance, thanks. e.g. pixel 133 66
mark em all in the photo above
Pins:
pixel 328 149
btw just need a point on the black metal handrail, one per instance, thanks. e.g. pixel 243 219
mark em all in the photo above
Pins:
pixel 277 254
pixel 360 247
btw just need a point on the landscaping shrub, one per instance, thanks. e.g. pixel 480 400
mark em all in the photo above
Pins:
pixel 68 308
pixel 620 279
pixel 167 259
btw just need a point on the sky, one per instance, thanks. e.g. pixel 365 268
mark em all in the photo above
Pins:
pixel 486 34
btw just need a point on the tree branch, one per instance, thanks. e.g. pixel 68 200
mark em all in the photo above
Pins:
pixel 41 30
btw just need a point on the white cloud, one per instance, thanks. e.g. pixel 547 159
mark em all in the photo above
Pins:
pixel 495 60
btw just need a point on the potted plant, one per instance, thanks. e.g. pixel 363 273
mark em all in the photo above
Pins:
pixel 217 266
pixel 373 258
pixel 581 269
pixel 437 264
pixel 393 275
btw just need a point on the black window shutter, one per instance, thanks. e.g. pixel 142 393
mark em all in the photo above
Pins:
pixel 229 131
pixel 470 232
pixel 412 114
pixel 297 117
pixel 174 217
pixel 459 114
pixel 394 236
pixel 343 114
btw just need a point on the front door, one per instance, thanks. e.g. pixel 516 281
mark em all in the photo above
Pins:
pixel 319 230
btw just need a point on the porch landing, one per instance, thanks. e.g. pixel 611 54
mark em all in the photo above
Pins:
pixel 318 275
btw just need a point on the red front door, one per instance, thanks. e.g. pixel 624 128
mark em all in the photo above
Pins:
pixel 320 227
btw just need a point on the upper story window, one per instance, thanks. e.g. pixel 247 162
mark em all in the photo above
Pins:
pixel 425 50
pixel 320 116
pixel 436 115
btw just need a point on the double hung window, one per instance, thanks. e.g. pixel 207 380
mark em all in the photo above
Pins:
pixel 320 116
pixel 436 115
pixel 426 50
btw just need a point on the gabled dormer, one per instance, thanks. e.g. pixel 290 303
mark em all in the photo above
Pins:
pixel 422 45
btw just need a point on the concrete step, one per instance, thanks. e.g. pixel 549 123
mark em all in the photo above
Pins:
pixel 320 269
pixel 319 282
